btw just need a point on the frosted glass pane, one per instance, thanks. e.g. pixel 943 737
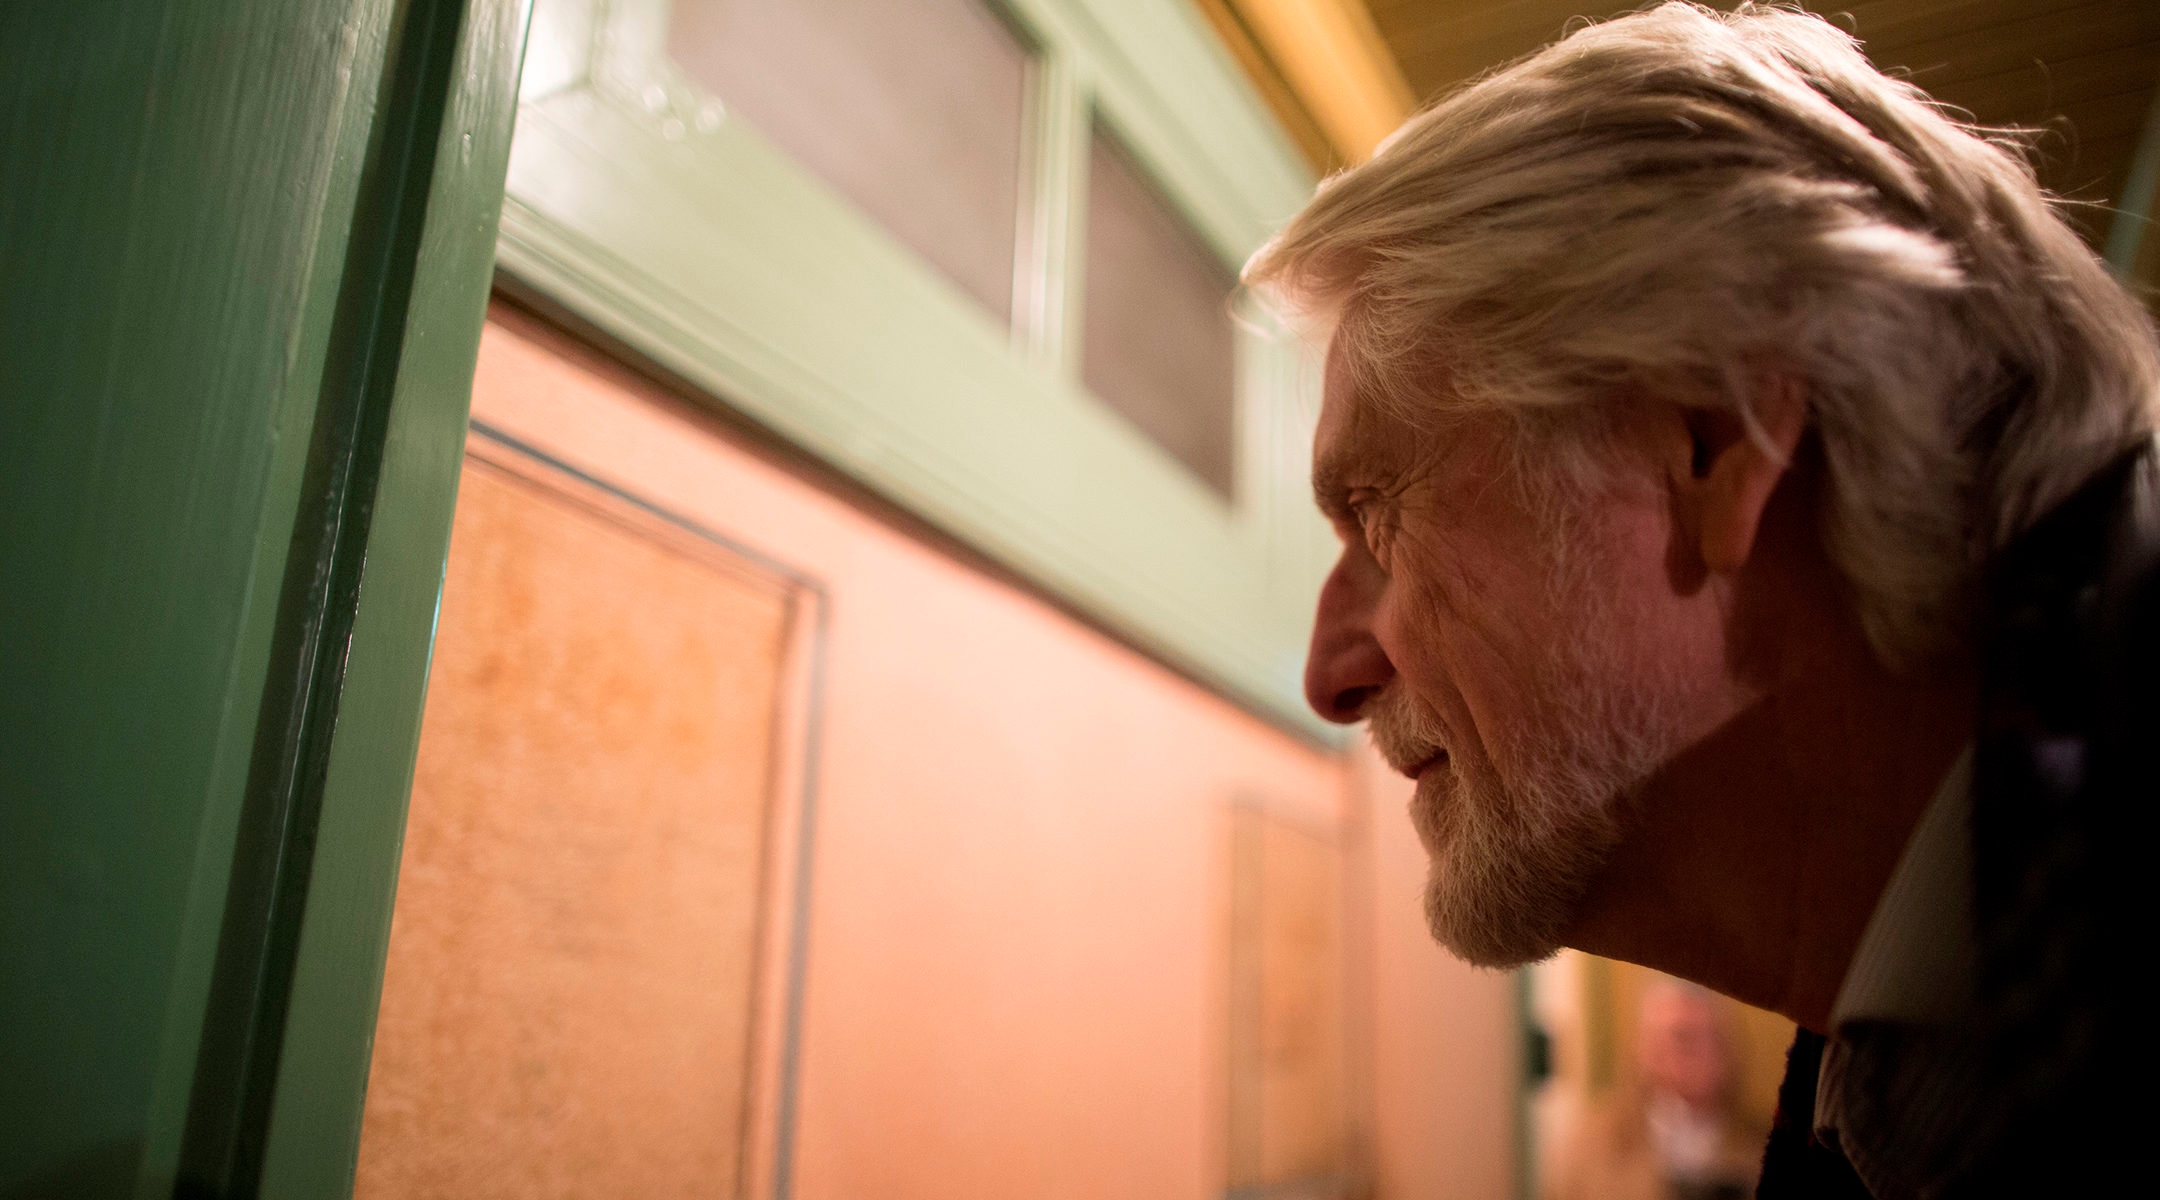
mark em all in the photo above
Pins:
pixel 1157 342
pixel 909 108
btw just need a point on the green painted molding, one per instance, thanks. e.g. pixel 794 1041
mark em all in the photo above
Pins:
pixel 313 1130
pixel 638 205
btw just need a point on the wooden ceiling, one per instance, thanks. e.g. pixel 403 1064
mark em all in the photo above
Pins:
pixel 2082 70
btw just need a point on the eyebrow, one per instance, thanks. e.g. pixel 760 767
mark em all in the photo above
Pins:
pixel 1331 486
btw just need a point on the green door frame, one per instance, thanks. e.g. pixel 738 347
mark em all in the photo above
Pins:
pixel 312 913
pixel 248 247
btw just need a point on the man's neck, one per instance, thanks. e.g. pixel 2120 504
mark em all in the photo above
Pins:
pixel 1755 858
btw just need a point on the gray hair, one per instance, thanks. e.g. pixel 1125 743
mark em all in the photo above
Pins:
pixel 1683 203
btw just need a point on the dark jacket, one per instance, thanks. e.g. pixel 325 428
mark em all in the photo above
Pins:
pixel 2066 774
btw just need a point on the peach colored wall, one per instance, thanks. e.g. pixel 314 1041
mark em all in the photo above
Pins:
pixel 1016 965
pixel 567 1006
pixel 1446 1036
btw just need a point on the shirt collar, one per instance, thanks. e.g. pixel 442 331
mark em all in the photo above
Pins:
pixel 1914 964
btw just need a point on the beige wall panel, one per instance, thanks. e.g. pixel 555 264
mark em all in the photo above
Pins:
pixel 1288 1086
pixel 567 1003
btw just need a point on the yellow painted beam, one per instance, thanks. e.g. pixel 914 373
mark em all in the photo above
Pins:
pixel 1331 53
pixel 1285 101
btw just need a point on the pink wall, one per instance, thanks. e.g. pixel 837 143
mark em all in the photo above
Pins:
pixel 1446 1036
pixel 1016 966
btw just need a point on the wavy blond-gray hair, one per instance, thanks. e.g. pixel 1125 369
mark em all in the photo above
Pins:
pixel 1678 201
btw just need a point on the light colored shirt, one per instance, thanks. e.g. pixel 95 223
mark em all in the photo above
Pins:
pixel 1911 976
pixel 1914 964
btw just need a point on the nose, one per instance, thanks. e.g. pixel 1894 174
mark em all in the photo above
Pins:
pixel 1345 666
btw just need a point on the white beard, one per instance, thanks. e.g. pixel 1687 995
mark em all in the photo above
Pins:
pixel 1516 839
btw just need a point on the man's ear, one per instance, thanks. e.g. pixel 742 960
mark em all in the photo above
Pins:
pixel 1733 465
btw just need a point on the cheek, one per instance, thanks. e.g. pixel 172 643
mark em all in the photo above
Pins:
pixel 1415 635
pixel 1456 650
pixel 1658 628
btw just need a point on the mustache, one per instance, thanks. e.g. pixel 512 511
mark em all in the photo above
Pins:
pixel 1405 734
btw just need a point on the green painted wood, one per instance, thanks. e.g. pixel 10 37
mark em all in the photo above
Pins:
pixel 694 242
pixel 314 1122
pixel 176 182
pixel 236 1067
pixel 201 228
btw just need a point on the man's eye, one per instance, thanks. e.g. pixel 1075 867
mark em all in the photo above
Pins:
pixel 1370 527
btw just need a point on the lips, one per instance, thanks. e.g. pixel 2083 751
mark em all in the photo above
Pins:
pixel 1417 769
pixel 1407 758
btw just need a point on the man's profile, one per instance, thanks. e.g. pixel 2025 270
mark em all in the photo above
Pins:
pixel 1748 497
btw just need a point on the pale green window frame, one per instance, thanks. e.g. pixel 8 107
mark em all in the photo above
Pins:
pixel 637 204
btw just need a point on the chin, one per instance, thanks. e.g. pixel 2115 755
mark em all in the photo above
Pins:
pixel 1500 936
pixel 1510 866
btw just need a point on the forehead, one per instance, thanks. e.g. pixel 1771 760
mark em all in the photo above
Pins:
pixel 1337 390
pixel 1369 439
pixel 1343 441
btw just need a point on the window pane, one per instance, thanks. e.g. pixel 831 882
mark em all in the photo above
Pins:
pixel 910 108
pixel 1157 343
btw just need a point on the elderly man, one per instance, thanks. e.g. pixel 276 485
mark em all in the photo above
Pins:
pixel 1748 502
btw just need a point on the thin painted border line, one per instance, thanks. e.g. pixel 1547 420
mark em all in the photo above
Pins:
pixel 813 752
pixel 792 574
pixel 799 939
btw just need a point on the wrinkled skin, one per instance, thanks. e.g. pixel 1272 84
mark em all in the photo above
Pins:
pixel 1643 715
pixel 1526 664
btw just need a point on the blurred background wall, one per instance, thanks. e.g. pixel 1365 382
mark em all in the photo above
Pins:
pixel 767 808
pixel 1075 926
